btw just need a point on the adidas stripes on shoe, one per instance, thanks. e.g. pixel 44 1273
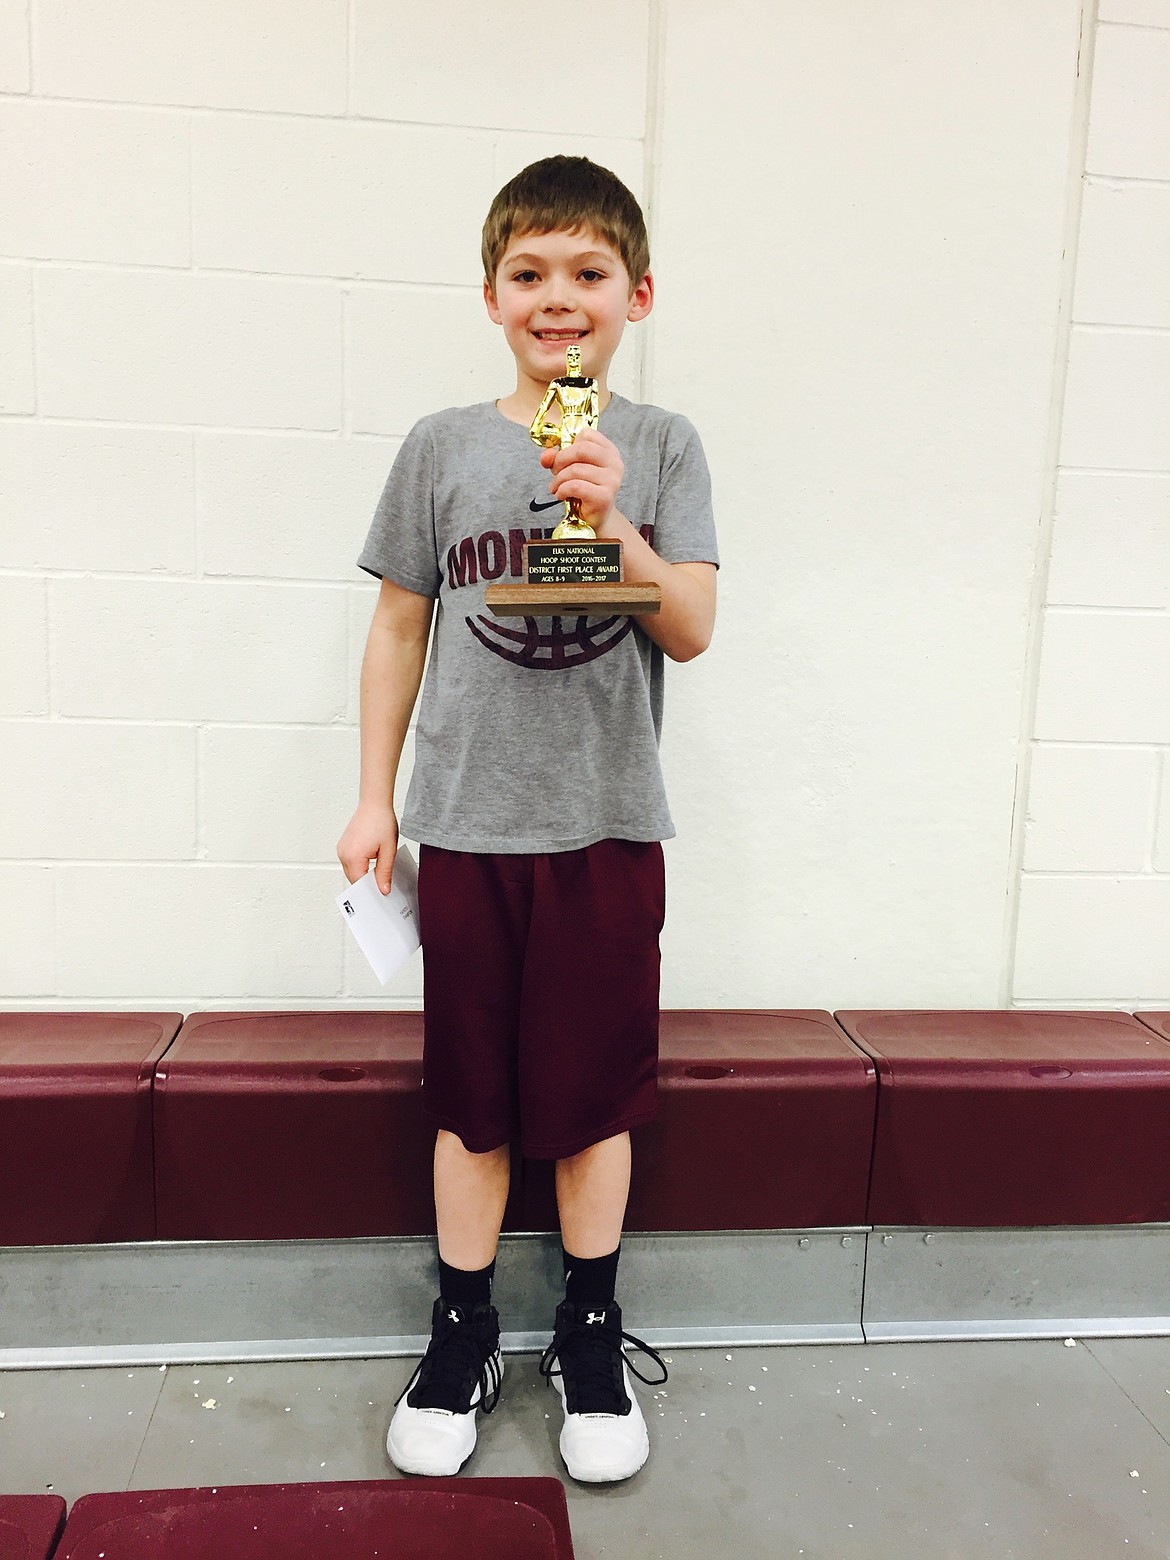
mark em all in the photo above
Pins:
pixel 433 1428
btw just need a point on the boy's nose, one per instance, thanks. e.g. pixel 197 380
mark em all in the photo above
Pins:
pixel 558 296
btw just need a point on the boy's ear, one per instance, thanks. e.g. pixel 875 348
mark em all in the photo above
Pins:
pixel 489 298
pixel 641 299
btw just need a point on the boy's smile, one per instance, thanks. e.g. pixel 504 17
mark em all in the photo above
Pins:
pixel 552 289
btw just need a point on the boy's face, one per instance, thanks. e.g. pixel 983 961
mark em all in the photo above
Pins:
pixel 555 288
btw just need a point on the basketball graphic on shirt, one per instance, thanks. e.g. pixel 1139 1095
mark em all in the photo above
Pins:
pixel 557 648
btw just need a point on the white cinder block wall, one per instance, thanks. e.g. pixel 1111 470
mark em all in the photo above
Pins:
pixel 238 258
pixel 1094 923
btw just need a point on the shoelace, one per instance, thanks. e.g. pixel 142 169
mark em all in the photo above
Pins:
pixel 456 1362
pixel 595 1355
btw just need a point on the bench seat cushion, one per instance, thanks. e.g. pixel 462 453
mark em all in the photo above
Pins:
pixel 76 1164
pixel 30 1526
pixel 1016 1118
pixel 494 1519
pixel 765 1122
pixel 272 1126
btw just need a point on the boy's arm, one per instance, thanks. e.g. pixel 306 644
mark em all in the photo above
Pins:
pixel 683 625
pixel 392 670
pixel 590 470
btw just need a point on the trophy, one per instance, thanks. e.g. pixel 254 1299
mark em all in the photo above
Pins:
pixel 572 572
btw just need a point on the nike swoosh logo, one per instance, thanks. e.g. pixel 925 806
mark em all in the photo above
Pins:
pixel 536 508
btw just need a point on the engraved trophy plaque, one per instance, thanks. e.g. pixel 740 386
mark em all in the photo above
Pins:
pixel 574 571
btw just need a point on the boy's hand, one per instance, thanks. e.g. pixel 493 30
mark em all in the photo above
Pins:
pixel 590 470
pixel 370 835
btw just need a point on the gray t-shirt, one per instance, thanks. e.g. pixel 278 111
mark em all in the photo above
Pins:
pixel 533 734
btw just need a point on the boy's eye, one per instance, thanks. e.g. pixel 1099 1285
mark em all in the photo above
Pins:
pixel 592 276
pixel 524 276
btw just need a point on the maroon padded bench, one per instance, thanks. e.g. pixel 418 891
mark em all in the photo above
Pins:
pixel 30 1526
pixel 492 1519
pixel 285 1126
pixel 1158 1022
pixel 75 1125
pixel 1013 1118
pixel 765 1122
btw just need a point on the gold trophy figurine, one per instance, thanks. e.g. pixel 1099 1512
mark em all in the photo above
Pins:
pixel 572 571
pixel 580 408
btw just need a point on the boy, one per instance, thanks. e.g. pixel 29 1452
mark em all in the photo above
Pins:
pixel 538 803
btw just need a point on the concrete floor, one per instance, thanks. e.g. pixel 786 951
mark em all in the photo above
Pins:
pixel 1021 1451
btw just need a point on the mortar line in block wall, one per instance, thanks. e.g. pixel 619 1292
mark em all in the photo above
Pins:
pixel 1082 874
pixel 54 925
pixel 1116 471
pixel 117 576
pixel 1126 181
pixel 1110 21
pixel 32 345
pixel 353 636
pixel 200 757
pixel 1104 328
pixel 1098 745
pixel 350 34
pixel 204 1003
pixel 190 1006
pixel 1078 135
pixel 156 722
pixel 196 527
pixel 1095 609
pixel 190 143
pixel 50 640
pixel 346 429
pixel 121 425
pixel 1094 1004
pixel 1088 874
pixel 30 24
pixel 651 153
pixel 1155 808
pixel 325 864
pixel 442 127
pixel 321 279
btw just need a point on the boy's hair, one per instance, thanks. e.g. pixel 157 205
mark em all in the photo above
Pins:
pixel 564 194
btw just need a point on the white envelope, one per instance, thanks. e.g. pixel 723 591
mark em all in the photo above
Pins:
pixel 385 925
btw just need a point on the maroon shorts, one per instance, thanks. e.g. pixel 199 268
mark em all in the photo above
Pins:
pixel 540 994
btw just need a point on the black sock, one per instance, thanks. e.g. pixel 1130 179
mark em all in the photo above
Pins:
pixel 590 1280
pixel 458 1286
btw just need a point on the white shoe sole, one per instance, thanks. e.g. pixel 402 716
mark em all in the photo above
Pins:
pixel 604 1470
pixel 452 1451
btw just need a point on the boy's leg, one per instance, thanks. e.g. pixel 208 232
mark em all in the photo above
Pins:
pixel 604 1436
pixel 433 1429
pixel 472 914
pixel 470 1193
pixel 589 1061
pixel 592 1188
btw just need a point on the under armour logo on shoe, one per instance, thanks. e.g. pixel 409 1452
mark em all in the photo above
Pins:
pixel 453 1316
pixel 594 1316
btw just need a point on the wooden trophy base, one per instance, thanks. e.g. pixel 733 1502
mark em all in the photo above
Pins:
pixel 572 600
pixel 573 578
